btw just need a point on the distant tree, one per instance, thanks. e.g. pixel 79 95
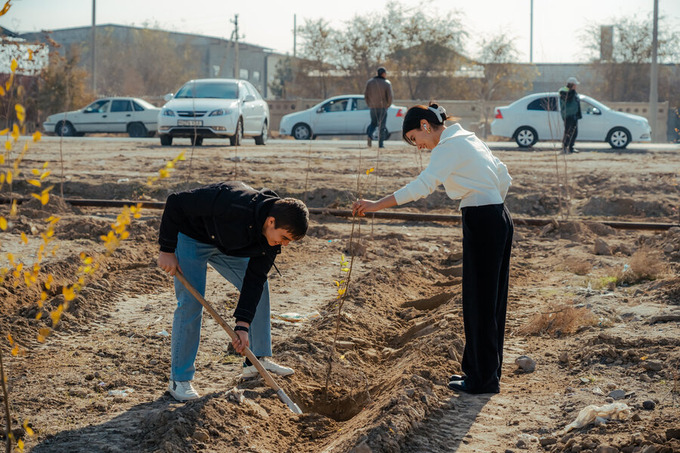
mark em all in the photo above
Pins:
pixel 148 62
pixel 361 48
pixel 283 78
pixel 318 52
pixel 625 76
pixel 62 86
pixel 424 52
pixel 503 77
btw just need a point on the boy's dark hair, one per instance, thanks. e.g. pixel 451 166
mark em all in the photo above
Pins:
pixel 292 215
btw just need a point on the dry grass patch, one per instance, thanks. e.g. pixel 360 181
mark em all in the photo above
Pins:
pixel 578 266
pixel 559 320
pixel 644 265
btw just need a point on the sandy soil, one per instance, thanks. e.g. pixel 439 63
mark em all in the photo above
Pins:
pixel 596 308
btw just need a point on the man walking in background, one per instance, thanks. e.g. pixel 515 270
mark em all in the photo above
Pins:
pixel 378 96
pixel 570 108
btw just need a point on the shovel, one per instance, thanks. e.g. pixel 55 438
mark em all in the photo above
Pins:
pixel 248 353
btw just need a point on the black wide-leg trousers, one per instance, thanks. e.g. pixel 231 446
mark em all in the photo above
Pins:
pixel 487 243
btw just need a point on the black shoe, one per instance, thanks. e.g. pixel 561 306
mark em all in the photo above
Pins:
pixel 462 386
pixel 572 150
pixel 457 377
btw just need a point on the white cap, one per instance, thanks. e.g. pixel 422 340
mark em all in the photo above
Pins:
pixel 572 80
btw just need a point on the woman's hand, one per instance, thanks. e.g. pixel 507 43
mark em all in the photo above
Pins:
pixel 361 207
pixel 168 262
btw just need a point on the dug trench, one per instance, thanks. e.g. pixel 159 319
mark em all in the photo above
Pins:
pixel 97 383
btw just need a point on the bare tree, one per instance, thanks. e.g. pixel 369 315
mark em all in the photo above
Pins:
pixel 503 77
pixel 146 62
pixel 361 49
pixel 425 51
pixel 625 76
pixel 318 47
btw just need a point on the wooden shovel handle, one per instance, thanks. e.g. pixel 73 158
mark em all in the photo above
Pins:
pixel 248 353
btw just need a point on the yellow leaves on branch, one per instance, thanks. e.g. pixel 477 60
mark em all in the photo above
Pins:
pixel 165 171
pixel 43 196
pixel 21 112
pixel 5 8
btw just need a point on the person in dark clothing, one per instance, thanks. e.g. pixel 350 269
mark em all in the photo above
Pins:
pixel 570 108
pixel 239 231
pixel 378 96
pixel 467 169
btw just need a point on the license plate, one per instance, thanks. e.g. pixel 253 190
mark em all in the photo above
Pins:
pixel 189 123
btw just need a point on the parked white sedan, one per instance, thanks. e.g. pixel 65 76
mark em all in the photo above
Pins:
pixel 339 115
pixel 133 116
pixel 214 108
pixel 537 117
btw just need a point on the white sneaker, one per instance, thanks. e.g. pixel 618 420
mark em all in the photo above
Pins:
pixel 182 390
pixel 251 371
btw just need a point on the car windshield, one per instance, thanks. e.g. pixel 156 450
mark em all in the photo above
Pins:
pixel 218 90
pixel 595 103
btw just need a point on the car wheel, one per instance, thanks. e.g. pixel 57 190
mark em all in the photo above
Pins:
pixel 196 140
pixel 618 138
pixel 166 140
pixel 65 129
pixel 136 130
pixel 237 138
pixel 302 132
pixel 262 138
pixel 525 137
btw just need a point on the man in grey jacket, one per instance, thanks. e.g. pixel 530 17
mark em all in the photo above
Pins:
pixel 378 96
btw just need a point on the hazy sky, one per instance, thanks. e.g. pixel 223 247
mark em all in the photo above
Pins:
pixel 269 23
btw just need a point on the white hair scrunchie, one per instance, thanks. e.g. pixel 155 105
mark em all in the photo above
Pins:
pixel 440 112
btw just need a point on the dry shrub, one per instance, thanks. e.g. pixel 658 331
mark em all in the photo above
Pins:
pixel 644 265
pixel 560 320
pixel 578 266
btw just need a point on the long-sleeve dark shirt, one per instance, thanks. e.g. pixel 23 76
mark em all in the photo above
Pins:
pixel 230 216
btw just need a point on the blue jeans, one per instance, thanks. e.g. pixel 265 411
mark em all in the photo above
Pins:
pixel 193 257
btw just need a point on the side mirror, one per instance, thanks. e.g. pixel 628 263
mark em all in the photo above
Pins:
pixel 168 96
pixel 249 98
pixel 320 110
pixel 596 111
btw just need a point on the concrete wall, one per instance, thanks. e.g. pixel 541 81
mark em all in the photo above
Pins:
pixel 470 114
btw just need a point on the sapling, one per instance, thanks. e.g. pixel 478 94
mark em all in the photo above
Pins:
pixel 343 284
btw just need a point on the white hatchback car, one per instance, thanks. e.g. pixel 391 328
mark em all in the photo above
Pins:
pixel 214 108
pixel 537 117
pixel 133 116
pixel 339 115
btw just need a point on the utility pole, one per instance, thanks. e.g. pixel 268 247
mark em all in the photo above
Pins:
pixel 654 73
pixel 295 35
pixel 531 34
pixel 234 43
pixel 93 43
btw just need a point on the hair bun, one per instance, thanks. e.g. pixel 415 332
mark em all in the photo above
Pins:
pixel 439 111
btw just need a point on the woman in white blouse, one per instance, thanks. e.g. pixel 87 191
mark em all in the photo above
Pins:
pixel 467 169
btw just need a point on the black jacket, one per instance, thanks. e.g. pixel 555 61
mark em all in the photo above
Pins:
pixel 230 216
pixel 570 107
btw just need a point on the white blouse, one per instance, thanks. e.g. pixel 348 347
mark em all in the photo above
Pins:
pixel 467 169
